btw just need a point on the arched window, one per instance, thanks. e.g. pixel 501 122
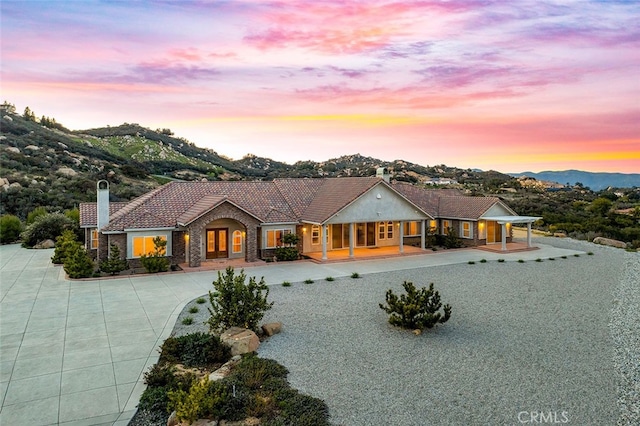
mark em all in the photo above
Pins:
pixel 237 241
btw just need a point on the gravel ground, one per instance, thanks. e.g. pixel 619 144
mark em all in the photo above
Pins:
pixel 558 338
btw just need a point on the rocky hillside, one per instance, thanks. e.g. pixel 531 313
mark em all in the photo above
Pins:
pixel 45 164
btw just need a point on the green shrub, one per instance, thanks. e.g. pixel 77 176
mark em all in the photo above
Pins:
pixel 538 260
pixel 520 261
pixel 417 309
pixel 355 275
pixel 304 410
pixel 590 253
pixel 193 309
pixel 156 261
pixel 201 300
pixel 287 253
pixel 471 262
pixel 78 263
pixel 114 263
pixel 483 260
pixel 36 213
pixel 564 257
pixel 286 284
pixel 65 244
pixel 252 372
pixel 47 227
pixel 237 303
pixel 204 399
pixel 187 321
pixel 308 281
pixel 10 228
pixel 194 350
pixel 501 260
pixel 451 240
pixel 329 279
pixel 154 399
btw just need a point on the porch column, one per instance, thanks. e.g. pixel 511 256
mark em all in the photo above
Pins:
pixel 504 236
pixel 423 229
pixel 351 240
pixel 528 234
pixel 195 243
pixel 401 232
pixel 325 232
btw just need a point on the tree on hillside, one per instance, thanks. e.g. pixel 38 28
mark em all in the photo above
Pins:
pixel 28 114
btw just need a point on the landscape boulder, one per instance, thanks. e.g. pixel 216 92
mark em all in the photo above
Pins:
pixel 609 242
pixel 13 149
pixel 67 171
pixel 46 244
pixel 225 370
pixel 240 340
pixel 272 328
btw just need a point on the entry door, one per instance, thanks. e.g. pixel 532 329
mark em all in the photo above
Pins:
pixel 366 234
pixel 494 232
pixel 217 246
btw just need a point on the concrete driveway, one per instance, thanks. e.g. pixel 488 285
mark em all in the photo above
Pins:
pixel 74 352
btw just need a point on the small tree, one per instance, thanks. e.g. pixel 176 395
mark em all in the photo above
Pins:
pixel 290 250
pixel 114 263
pixel 78 263
pixel 417 309
pixel 156 260
pixel 237 304
pixel 10 228
pixel 65 244
pixel 451 240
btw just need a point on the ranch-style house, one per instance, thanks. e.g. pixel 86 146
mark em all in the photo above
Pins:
pixel 248 219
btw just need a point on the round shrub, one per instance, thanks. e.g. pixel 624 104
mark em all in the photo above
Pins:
pixel 47 227
pixel 10 228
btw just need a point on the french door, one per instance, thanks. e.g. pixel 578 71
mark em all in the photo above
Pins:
pixel 217 243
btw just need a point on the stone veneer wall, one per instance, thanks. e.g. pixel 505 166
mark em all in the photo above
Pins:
pixel 178 247
pixel 224 211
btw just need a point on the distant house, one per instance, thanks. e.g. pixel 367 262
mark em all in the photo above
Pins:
pixel 247 220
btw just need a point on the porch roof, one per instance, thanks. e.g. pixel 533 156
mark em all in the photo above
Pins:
pixel 512 219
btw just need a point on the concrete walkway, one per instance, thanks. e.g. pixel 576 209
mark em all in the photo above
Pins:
pixel 74 352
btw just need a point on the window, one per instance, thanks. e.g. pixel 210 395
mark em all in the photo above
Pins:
pixel 237 242
pixel 144 245
pixel 433 226
pixel 94 239
pixel 274 237
pixel 315 234
pixel 445 227
pixel 385 230
pixel 466 230
pixel 412 228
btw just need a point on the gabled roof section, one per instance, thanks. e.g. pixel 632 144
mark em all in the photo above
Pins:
pixel 186 201
pixel 462 207
pixel 89 212
pixel 299 193
pixel 335 194
pixel 427 199
pixel 200 208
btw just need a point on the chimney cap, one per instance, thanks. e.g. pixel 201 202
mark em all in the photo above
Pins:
pixel 103 184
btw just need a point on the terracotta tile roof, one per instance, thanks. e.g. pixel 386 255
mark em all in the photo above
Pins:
pixel 89 212
pixel 427 199
pixel 447 203
pixel 163 206
pixel 462 207
pixel 335 194
pixel 278 201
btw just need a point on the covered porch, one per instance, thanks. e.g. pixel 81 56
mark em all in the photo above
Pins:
pixel 364 253
pixel 503 221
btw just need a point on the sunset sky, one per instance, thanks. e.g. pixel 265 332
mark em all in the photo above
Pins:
pixel 489 84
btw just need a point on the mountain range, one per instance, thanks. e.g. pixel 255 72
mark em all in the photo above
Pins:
pixel 45 164
pixel 594 180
